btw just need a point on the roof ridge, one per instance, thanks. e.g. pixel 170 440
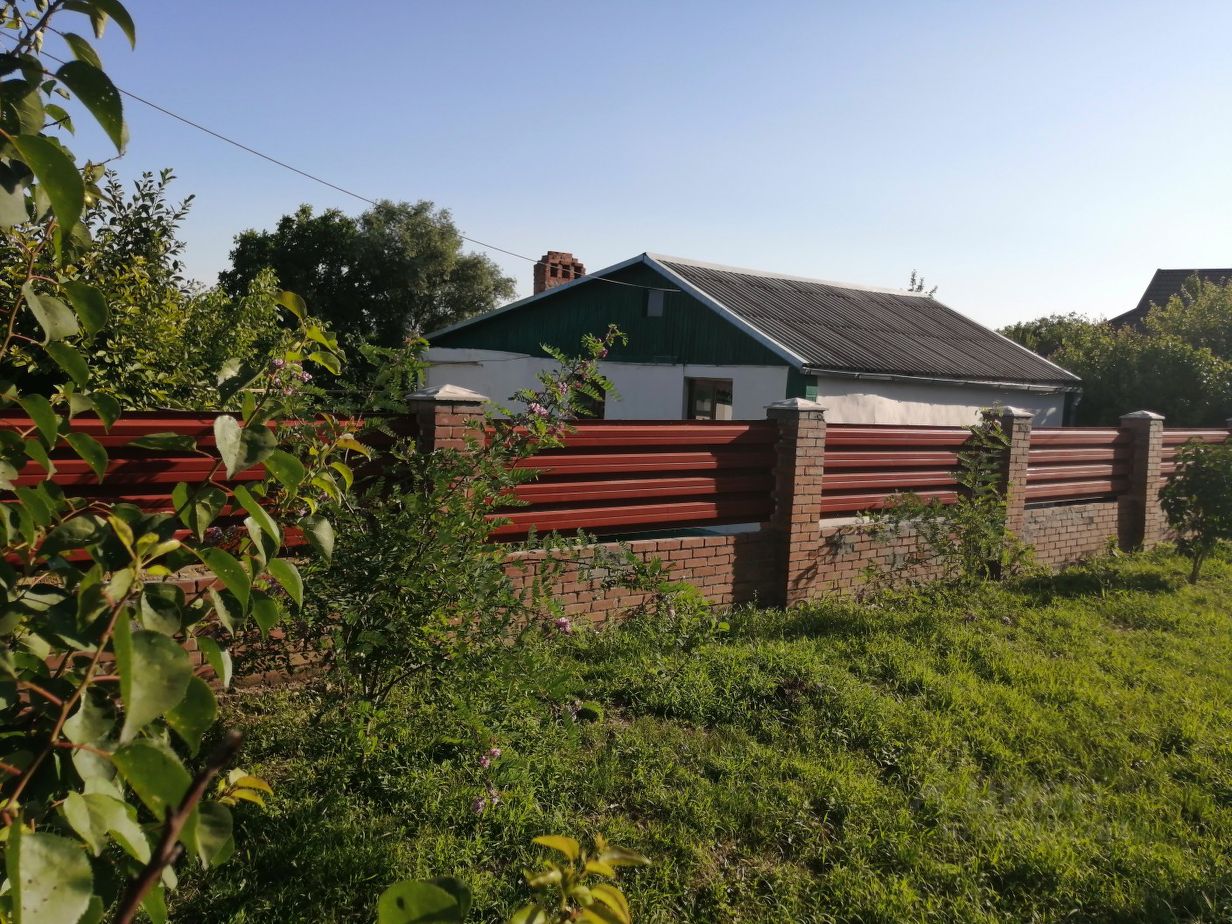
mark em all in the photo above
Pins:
pixel 750 271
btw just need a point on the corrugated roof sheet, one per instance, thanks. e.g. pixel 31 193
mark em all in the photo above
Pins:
pixel 1163 285
pixel 847 328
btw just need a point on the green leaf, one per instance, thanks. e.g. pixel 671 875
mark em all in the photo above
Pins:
pixel 211 835
pixel 90 305
pixel 217 657
pixel 70 360
pixel 82 49
pixel 195 714
pixel 106 407
pixel 566 845
pixel 234 376
pixel 77 813
pixel 265 612
pixel 614 899
pixel 49 876
pixel 119 819
pixel 154 676
pixel 14 179
pixel 99 95
pixel 257 512
pixel 90 450
pixel 529 914
pixel 288 576
pixel 40 411
pixel 38 452
pixel 285 467
pixel 230 572
pixel 94 724
pixel 161 607
pixel 115 9
pixel 319 533
pixel 52 314
pixel 165 442
pixel 293 303
pixel 327 360
pixel 155 774
pixel 412 901
pixel 57 175
pixel 155 904
pixel 242 448
pixel 77 533
pixel 199 510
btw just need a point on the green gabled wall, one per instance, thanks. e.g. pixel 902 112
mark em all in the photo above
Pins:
pixel 688 331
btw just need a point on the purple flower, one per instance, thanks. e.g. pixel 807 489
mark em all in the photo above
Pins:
pixel 305 377
pixel 278 363
pixel 288 391
pixel 603 353
pixel 479 806
pixel 485 762
pixel 494 753
pixel 537 409
pixel 562 389
pixel 564 625
pixel 213 535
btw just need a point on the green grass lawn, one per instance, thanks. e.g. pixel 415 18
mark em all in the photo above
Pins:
pixel 1060 749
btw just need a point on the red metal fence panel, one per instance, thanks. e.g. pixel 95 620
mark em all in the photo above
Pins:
pixel 1176 437
pixel 624 476
pixel 146 477
pixel 866 465
pixel 1078 463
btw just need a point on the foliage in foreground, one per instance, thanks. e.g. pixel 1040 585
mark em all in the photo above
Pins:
pixel 102 716
pixel 1041 749
pixel 1198 501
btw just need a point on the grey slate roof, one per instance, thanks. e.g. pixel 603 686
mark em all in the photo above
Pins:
pixel 843 328
pixel 1163 285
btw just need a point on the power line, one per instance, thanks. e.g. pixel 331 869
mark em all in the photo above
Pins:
pixel 347 192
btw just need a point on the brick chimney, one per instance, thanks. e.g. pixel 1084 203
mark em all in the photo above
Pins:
pixel 555 268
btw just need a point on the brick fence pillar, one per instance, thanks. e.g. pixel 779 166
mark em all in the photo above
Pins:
pixel 1016 424
pixel 445 415
pixel 797 493
pixel 1140 519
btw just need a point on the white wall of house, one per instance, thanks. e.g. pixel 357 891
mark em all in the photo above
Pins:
pixel 645 391
pixel 654 391
pixel 869 401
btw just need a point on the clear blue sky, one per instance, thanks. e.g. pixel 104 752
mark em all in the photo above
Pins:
pixel 1028 157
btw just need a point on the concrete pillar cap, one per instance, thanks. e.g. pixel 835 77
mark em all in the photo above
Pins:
pixel 447 394
pixel 1142 415
pixel 799 405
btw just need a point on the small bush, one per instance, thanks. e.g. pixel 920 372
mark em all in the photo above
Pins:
pixel 1198 501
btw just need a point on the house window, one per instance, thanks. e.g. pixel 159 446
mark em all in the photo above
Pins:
pixel 708 399
pixel 654 303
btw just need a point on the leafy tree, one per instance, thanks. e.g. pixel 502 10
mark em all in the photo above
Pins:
pixel 1179 363
pixel 102 716
pixel 1048 334
pixel 1198 501
pixel 166 337
pixel 395 271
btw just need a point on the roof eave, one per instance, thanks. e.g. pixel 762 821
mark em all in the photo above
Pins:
pixel 1039 387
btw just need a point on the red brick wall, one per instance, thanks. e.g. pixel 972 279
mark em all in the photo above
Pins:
pixel 1065 535
pixel 739 568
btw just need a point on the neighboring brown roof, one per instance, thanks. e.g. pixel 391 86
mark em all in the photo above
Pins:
pixel 1163 285
pixel 840 327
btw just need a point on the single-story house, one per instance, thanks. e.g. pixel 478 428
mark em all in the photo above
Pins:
pixel 718 342
pixel 1163 286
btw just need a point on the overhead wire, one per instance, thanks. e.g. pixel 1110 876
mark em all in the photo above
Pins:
pixel 347 192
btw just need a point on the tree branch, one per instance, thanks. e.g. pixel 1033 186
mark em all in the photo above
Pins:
pixel 168 845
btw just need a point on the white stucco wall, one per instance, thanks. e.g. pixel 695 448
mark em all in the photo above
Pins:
pixel 657 391
pixel 873 402
pixel 645 391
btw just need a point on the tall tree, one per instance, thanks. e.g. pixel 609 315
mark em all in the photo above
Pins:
pixel 395 270
pixel 1179 363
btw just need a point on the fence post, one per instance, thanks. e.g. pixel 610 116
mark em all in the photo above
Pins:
pixel 1016 425
pixel 801 453
pixel 1140 519
pixel 444 414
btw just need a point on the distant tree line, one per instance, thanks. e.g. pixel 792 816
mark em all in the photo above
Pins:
pixel 1177 361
